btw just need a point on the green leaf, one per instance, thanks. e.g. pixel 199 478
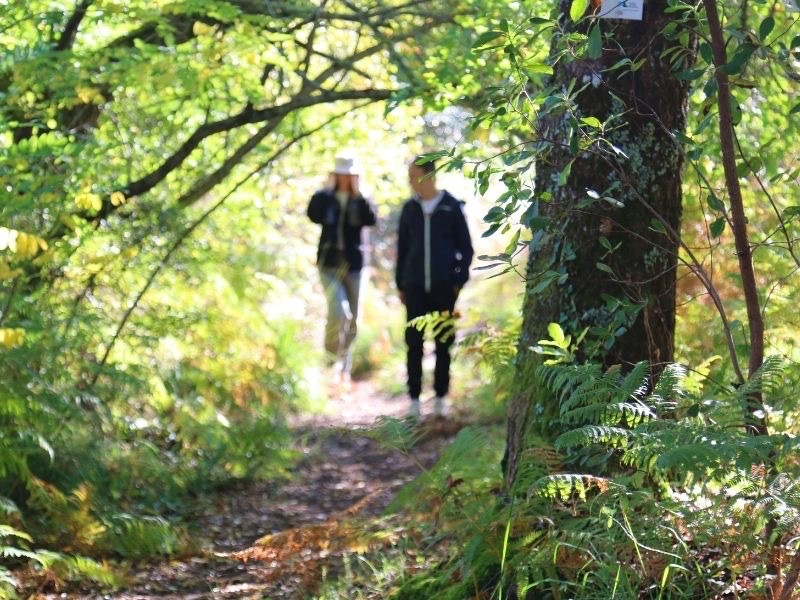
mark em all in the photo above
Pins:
pixel 690 75
pixel 512 245
pixel 766 27
pixel 485 38
pixel 604 267
pixel 495 214
pixel 705 52
pixel 796 109
pixel 717 227
pixel 715 203
pixel 556 333
pixel 657 225
pixel 740 58
pixel 591 122
pixel 564 175
pixel 577 9
pixel 791 211
pixel 539 68
pixel 594 48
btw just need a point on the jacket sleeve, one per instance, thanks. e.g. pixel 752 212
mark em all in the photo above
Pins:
pixel 463 247
pixel 317 207
pixel 368 213
pixel 402 247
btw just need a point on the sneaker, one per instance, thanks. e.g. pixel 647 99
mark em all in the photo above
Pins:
pixel 413 408
pixel 439 406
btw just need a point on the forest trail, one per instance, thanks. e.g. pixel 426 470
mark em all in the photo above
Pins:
pixel 344 476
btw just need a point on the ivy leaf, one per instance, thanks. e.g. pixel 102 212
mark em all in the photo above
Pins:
pixel 717 227
pixel 577 9
pixel 595 46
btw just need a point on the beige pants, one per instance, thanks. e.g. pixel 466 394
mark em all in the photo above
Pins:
pixel 341 292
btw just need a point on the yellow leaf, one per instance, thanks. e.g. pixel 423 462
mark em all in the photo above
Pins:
pixel 88 201
pixel 11 337
pixel 118 198
pixel 202 29
pixel 6 272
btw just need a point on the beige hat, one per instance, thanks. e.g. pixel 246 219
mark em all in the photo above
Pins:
pixel 346 165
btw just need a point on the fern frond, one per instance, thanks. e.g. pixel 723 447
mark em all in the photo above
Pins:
pixel 616 437
pixel 399 434
pixel 7 584
pixel 610 414
pixel 8 531
pixel 12 552
pixel 765 380
pixel 564 486
pixel 7 505
pixel 636 383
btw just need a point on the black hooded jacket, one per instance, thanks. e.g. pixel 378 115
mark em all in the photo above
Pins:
pixel 438 253
pixel 324 208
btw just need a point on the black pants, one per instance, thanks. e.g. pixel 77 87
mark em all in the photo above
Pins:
pixel 418 303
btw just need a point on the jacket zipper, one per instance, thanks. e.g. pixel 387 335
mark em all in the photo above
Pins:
pixel 427 238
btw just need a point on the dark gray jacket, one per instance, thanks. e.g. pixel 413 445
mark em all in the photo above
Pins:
pixel 325 209
pixel 434 250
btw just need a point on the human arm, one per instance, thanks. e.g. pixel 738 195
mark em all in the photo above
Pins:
pixel 402 250
pixel 464 251
pixel 317 207
pixel 369 215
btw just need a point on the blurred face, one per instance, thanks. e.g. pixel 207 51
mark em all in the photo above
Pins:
pixel 415 177
pixel 344 183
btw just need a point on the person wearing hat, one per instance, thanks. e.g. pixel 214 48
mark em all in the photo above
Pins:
pixel 343 212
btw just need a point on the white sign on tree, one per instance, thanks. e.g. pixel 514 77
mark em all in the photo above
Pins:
pixel 622 9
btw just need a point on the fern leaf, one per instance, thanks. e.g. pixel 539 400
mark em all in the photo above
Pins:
pixel 616 437
pixel 8 531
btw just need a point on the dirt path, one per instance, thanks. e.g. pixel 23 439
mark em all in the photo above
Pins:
pixel 344 474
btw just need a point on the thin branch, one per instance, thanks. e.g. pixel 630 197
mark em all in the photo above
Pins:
pixel 188 231
pixel 738 218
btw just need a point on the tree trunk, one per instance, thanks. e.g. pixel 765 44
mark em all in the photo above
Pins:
pixel 628 302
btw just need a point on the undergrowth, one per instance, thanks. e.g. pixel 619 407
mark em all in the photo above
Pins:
pixel 648 491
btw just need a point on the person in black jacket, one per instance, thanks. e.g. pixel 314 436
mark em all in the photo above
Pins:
pixel 343 212
pixel 434 252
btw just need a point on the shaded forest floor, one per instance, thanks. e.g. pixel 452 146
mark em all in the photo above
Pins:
pixel 286 539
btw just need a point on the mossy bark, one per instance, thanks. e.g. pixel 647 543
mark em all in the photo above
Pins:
pixel 629 311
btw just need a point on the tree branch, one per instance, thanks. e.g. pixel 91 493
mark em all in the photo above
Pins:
pixel 188 231
pixel 67 39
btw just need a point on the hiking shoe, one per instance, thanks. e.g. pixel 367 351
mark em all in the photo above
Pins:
pixel 413 409
pixel 439 406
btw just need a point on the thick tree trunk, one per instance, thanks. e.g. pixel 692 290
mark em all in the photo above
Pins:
pixel 630 311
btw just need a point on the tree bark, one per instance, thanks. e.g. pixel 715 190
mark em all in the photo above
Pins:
pixel 628 303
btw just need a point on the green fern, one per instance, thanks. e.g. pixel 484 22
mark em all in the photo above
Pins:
pixel 614 437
